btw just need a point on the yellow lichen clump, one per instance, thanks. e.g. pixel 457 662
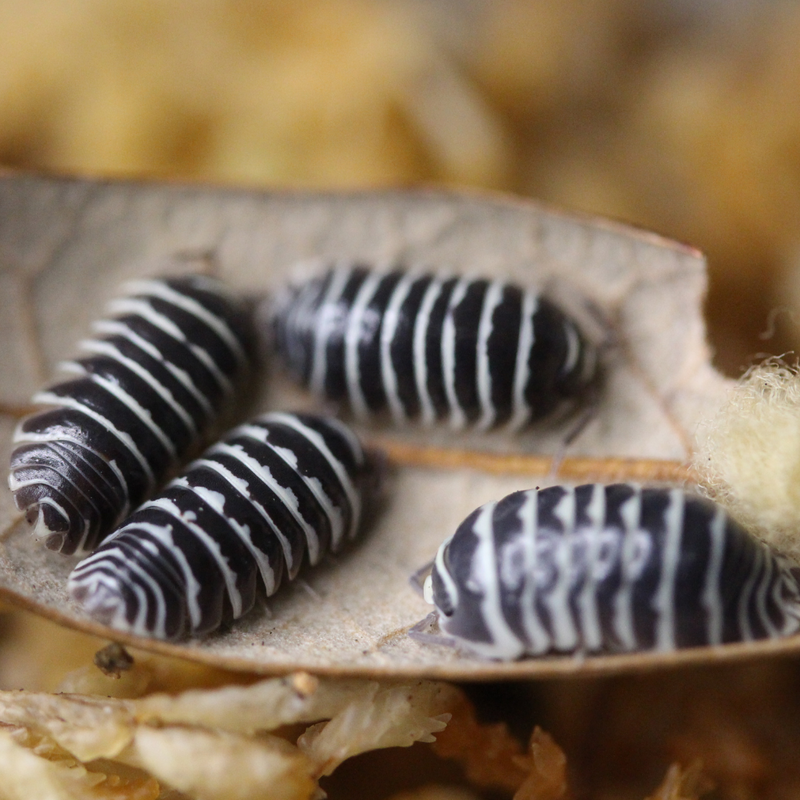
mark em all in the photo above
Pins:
pixel 748 454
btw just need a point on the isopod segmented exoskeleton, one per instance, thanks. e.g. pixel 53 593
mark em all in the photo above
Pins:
pixel 607 568
pixel 154 380
pixel 270 493
pixel 479 352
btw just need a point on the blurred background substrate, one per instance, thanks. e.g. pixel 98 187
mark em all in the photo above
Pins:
pixel 678 116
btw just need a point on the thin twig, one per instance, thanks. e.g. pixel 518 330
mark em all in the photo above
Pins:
pixel 572 468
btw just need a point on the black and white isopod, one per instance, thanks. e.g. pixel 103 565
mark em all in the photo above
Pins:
pixel 479 352
pixel 607 568
pixel 270 493
pixel 154 380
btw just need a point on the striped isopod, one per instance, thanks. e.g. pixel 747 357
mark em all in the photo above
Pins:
pixel 607 568
pixel 481 352
pixel 155 378
pixel 270 492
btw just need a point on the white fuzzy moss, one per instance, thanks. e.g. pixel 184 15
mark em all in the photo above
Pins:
pixel 748 454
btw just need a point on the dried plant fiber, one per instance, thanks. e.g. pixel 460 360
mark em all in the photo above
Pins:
pixel 748 454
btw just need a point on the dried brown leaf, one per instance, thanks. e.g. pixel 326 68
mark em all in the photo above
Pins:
pixel 489 754
pixel 436 792
pixel 682 784
pixel 66 244
pixel 547 766
pixel 492 757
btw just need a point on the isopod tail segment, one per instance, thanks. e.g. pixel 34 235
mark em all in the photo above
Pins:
pixel 602 338
pixel 156 377
pixel 278 491
pixel 608 568
pixel 480 353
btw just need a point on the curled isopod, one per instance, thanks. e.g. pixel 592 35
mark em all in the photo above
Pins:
pixel 271 493
pixel 475 351
pixel 608 568
pixel 154 380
